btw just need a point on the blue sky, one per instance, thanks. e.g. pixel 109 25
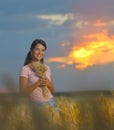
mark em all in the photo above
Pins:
pixel 79 36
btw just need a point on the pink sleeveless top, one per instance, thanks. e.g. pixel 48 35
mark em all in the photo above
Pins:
pixel 37 94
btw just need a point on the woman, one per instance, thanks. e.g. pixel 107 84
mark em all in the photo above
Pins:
pixel 30 82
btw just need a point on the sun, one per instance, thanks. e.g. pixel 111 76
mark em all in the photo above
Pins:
pixel 82 53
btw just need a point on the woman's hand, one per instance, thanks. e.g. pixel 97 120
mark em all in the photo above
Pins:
pixel 44 81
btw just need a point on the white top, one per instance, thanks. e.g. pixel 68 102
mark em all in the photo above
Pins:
pixel 37 94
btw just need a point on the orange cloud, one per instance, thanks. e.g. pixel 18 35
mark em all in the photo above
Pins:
pixel 97 48
pixel 65 43
pixel 100 23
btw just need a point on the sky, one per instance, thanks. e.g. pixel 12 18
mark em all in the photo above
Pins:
pixel 80 41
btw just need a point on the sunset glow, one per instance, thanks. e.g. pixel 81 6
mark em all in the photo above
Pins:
pixel 94 49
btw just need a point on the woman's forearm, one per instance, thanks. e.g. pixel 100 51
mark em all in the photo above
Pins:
pixel 51 87
pixel 29 89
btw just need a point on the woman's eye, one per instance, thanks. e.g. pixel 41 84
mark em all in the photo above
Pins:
pixel 42 50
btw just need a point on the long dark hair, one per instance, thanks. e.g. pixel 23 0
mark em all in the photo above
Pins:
pixel 28 58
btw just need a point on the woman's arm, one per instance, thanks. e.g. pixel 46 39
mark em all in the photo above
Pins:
pixel 24 88
pixel 50 86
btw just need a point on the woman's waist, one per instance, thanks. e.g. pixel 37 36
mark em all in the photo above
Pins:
pixel 41 100
pixel 40 97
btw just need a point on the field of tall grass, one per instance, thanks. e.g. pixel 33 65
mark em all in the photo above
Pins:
pixel 92 110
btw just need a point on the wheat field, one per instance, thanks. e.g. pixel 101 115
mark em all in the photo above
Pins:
pixel 93 110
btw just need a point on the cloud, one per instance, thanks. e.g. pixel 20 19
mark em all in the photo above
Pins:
pixel 94 49
pixel 33 21
pixel 65 43
pixel 55 19
pixel 101 23
pixel 59 19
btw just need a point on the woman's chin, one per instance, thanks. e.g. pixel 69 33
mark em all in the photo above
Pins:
pixel 37 60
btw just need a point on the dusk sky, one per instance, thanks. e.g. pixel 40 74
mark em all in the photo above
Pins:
pixel 79 36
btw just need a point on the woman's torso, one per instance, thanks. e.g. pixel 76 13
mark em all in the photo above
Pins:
pixel 36 94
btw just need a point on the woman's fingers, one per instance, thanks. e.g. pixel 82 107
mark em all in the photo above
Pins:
pixel 43 82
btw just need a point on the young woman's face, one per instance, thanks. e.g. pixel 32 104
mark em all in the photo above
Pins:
pixel 38 52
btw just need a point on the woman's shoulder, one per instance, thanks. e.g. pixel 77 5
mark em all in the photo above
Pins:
pixel 26 68
pixel 25 71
